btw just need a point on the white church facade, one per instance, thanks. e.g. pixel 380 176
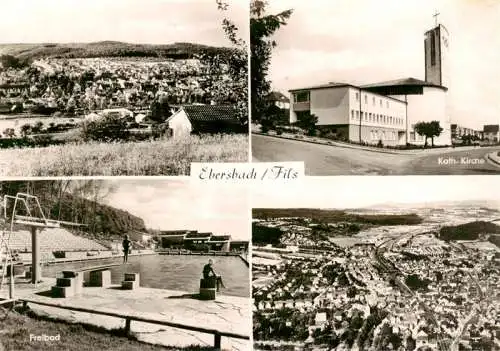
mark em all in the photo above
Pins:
pixel 387 111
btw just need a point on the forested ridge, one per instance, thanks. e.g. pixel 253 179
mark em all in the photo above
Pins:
pixel 78 202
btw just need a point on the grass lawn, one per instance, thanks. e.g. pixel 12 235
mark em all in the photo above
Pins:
pixel 15 330
pixel 159 157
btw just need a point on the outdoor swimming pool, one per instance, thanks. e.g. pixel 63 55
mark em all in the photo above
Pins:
pixel 170 272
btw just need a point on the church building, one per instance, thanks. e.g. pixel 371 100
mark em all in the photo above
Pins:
pixel 384 112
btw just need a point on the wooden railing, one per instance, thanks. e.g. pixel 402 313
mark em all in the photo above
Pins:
pixel 129 318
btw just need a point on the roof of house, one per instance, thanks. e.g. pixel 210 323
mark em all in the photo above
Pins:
pixel 211 113
pixel 491 128
pixel 410 81
pixel 277 96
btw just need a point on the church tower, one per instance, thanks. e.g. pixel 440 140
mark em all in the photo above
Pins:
pixel 436 56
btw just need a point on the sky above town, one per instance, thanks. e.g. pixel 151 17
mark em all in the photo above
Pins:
pixel 357 192
pixel 177 204
pixel 135 21
pixel 365 41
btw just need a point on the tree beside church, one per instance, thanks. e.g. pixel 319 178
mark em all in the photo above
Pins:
pixel 429 130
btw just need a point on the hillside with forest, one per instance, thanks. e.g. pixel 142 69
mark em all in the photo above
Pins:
pixel 28 52
pixel 78 202
pixel 468 231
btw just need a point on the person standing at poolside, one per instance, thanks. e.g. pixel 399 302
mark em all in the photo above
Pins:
pixel 208 272
pixel 126 248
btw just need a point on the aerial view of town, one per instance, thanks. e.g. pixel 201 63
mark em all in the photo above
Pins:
pixel 68 108
pixel 395 277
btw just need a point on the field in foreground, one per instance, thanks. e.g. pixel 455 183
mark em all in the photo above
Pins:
pixel 15 330
pixel 161 157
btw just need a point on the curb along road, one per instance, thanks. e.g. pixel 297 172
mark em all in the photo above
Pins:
pixel 494 158
pixel 416 152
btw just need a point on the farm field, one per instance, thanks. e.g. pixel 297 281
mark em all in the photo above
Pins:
pixel 159 157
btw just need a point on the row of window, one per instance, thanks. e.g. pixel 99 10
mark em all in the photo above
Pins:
pixel 373 100
pixel 304 96
pixel 376 135
pixel 301 96
pixel 377 118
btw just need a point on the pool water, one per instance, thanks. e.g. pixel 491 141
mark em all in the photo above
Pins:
pixel 170 272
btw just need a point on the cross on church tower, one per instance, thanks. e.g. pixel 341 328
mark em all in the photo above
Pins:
pixel 436 17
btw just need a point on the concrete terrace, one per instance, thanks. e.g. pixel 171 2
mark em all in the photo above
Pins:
pixel 225 314
pixel 53 239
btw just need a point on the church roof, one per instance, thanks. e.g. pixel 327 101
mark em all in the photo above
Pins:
pixel 403 86
pixel 410 81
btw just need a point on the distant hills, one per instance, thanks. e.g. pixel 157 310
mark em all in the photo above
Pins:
pixel 332 216
pixel 109 49
pixel 493 205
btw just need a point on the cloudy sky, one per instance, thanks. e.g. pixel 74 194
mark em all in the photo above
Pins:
pixel 184 204
pixel 361 191
pixel 136 21
pixel 365 41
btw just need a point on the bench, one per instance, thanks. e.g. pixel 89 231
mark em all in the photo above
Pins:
pixel 71 283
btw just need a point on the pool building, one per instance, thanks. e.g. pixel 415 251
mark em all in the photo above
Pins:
pixel 200 241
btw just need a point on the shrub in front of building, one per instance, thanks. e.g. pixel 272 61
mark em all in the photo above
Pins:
pixel 107 129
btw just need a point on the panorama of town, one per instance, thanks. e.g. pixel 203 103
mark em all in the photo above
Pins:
pixel 98 83
pixel 142 90
pixel 384 279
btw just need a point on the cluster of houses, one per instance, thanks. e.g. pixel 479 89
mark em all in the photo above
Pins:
pixel 459 284
pixel 98 87
pixel 490 133
pixel 194 240
pixel 99 83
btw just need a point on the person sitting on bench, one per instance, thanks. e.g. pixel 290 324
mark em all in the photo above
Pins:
pixel 208 272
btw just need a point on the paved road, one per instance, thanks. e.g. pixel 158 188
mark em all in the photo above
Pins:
pixel 321 160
